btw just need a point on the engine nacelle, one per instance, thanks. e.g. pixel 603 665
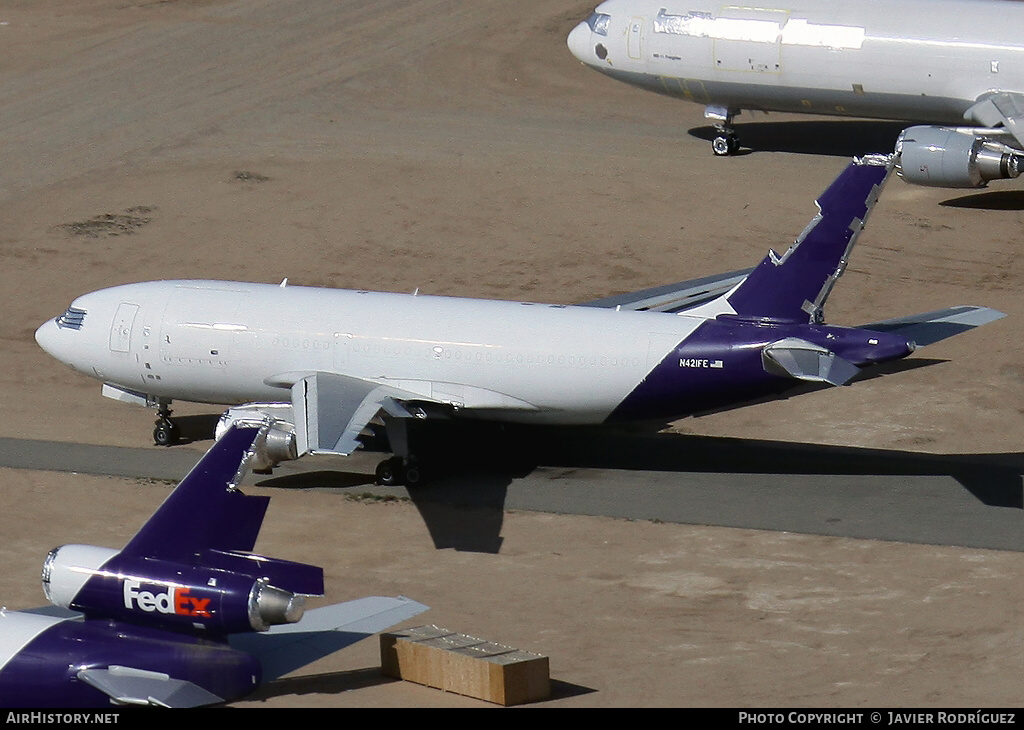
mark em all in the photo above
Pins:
pixel 101 584
pixel 273 447
pixel 945 157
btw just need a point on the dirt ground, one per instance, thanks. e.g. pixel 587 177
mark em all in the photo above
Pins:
pixel 458 147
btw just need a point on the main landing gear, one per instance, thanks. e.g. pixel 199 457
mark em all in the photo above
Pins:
pixel 398 471
pixel 166 431
pixel 403 468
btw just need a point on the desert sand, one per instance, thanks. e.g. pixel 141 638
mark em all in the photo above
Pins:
pixel 457 147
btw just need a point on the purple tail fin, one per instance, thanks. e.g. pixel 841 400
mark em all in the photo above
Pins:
pixel 205 512
pixel 793 287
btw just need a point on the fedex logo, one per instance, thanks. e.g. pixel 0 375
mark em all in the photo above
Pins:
pixel 175 600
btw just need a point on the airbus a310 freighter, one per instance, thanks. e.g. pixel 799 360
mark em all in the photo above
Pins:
pixel 185 614
pixel 941 62
pixel 324 363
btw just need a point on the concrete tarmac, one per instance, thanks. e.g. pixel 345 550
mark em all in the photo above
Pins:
pixel 968 500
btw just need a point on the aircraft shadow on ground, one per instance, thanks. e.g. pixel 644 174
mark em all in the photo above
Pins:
pixel 473 466
pixel 333 683
pixel 837 138
pixel 200 427
pixel 463 508
pixel 991 200
pixel 330 683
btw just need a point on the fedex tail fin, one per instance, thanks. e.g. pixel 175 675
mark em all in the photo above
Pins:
pixel 206 512
pixel 793 287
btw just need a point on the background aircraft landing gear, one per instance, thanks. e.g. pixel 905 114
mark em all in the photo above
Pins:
pixel 166 431
pixel 725 143
pixel 396 471
pixel 403 468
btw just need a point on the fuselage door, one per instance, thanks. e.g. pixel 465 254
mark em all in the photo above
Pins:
pixel 634 37
pixel 121 327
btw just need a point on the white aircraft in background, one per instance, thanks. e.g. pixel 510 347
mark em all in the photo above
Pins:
pixel 944 62
pixel 323 363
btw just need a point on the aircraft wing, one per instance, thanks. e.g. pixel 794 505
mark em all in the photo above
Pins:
pixel 673 298
pixel 331 409
pixel 323 631
pixel 52 612
pixel 1001 108
pixel 129 686
pixel 931 327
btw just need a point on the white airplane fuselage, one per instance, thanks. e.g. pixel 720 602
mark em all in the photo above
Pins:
pixel 914 60
pixel 231 342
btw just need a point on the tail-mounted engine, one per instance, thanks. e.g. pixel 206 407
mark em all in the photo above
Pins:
pixel 277 444
pixel 101 584
pixel 945 157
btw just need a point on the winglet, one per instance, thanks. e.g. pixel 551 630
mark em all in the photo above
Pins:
pixel 793 287
pixel 205 511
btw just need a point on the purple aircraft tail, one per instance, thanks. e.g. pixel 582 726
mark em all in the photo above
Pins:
pixel 793 287
pixel 205 512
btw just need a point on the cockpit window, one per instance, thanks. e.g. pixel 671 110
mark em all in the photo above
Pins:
pixel 71 319
pixel 598 23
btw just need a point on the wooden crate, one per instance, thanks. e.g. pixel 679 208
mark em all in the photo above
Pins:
pixel 465 665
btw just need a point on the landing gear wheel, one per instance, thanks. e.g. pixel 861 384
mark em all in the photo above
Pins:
pixel 391 472
pixel 165 433
pixel 413 474
pixel 396 472
pixel 725 144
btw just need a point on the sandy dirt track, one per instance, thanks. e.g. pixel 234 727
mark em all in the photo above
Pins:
pixel 457 147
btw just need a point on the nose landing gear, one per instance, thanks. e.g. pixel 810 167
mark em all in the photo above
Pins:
pixel 725 142
pixel 166 432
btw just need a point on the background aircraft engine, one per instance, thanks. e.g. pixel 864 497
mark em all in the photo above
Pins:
pixel 944 157
pixel 277 445
pixel 96 582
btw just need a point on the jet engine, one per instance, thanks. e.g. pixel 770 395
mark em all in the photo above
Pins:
pixel 271 448
pixel 96 582
pixel 946 157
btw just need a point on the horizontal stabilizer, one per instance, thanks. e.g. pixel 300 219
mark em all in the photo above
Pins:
pixel 323 631
pixel 931 327
pixel 127 686
pixel 804 360
pixel 673 298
